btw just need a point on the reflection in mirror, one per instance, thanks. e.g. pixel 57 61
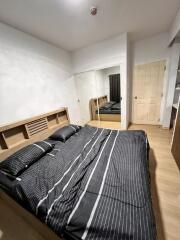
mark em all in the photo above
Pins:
pixel 107 107
pixel 86 90
pixel 99 96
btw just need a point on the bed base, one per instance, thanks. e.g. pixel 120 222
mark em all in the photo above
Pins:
pixel 93 105
pixel 39 227
pixel 109 117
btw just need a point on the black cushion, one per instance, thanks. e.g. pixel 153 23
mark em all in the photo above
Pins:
pixel 76 127
pixel 112 102
pixel 116 106
pixel 23 158
pixel 63 134
pixel 5 182
pixel 108 105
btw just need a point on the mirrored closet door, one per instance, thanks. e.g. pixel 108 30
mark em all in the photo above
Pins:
pixel 99 96
pixel 109 104
pixel 86 90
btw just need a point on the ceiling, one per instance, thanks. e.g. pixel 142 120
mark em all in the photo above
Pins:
pixel 68 23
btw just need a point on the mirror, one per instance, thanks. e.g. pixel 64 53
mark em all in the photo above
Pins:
pixel 99 96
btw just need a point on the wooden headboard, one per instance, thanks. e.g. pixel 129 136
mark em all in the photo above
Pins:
pixel 93 105
pixel 19 134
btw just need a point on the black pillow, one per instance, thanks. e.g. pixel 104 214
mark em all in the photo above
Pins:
pixel 116 106
pixel 112 102
pixel 21 160
pixel 5 182
pixel 75 127
pixel 108 105
pixel 64 133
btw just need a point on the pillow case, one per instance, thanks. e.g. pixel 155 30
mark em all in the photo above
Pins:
pixel 64 133
pixel 108 105
pixel 116 106
pixel 5 183
pixel 75 127
pixel 112 102
pixel 23 158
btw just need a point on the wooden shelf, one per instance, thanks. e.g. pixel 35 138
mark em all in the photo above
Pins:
pixel 2 151
pixel 19 134
pixel 18 143
pixel 60 124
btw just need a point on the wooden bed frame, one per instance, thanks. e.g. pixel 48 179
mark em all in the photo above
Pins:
pixel 19 134
pixel 93 105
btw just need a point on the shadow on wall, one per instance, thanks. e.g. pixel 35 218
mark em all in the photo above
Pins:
pixel 155 197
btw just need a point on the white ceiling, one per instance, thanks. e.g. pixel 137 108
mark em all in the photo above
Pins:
pixel 68 23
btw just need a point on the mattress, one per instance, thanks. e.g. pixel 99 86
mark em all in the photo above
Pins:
pixel 110 108
pixel 95 186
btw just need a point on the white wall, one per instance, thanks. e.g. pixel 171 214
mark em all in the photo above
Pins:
pixel 151 50
pixel 175 28
pixel 100 83
pixel 89 85
pixel 106 54
pixel 35 77
pixel 172 77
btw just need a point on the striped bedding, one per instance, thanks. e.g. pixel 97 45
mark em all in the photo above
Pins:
pixel 94 186
pixel 110 108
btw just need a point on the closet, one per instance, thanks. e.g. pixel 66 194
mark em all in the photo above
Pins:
pixel 176 137
pixel 99 95
pixel 177 86
pixel 175 119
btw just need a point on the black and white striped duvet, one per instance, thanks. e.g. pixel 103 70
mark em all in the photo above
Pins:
pixel 94 186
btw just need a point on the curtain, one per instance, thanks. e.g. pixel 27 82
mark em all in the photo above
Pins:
pixel 114 83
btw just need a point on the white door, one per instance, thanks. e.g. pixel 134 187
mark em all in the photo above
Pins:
pixel 147 92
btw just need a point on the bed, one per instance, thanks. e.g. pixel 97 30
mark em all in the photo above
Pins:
pixel 108 111
pixel 110 108
pixel 93 185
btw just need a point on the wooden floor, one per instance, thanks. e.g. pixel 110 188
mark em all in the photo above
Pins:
pixel 105 124
pixel 165 184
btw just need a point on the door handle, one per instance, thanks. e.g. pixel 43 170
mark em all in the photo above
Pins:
pixel 135 97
